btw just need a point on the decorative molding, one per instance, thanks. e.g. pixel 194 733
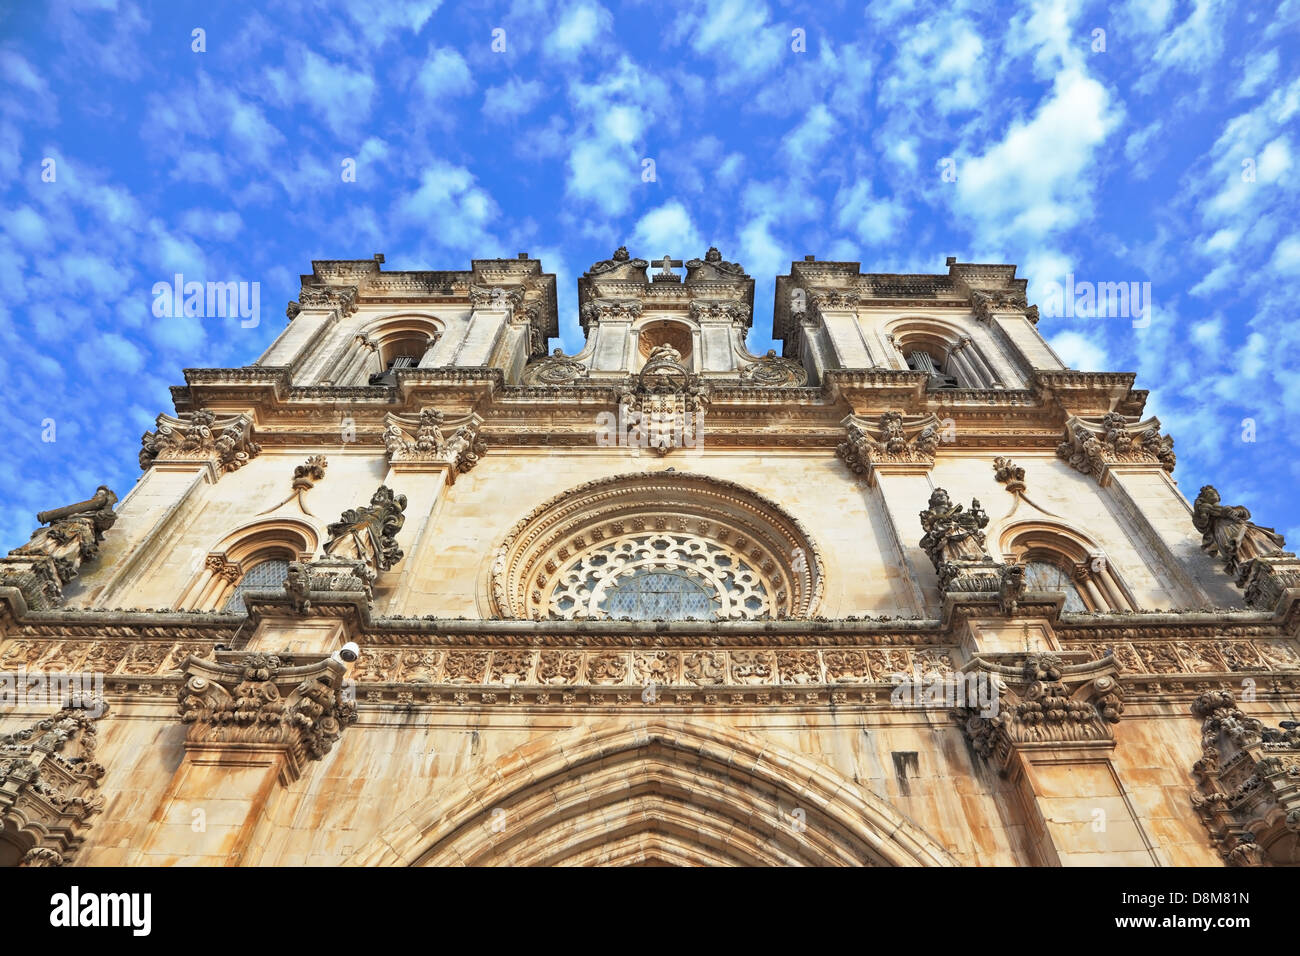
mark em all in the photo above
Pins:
pixel 305 477
pixel 1008 474
pixel 340 298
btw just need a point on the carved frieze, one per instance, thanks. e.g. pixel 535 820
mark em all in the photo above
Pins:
pixel 987 303
pixel 342 298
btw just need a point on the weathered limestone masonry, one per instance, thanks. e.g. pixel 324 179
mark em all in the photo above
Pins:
pixel 413 589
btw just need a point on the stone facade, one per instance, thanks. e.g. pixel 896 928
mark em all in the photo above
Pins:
pixel 411 589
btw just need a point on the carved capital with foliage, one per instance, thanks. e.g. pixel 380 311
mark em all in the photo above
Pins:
pixel 1042 702
pixel 1093 445
pixel 259 702
pixel 226 441
pixel 892 439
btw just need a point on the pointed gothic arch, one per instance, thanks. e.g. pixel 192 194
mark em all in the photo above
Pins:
pixel 659 790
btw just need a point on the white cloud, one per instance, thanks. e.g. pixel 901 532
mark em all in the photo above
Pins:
pixel 667 230
pixel 1038 179
pixel 579 27
pixel 1080 352
pixel 444 73
pixel 512 99
pixel 803 144
pixel 872 219
pixel 452 207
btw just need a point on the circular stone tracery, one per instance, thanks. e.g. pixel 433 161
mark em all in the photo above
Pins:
pixel 657 546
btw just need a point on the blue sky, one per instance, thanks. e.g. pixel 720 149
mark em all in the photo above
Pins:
pixel 1169 157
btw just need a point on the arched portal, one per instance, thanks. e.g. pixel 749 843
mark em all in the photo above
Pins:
pixel 660 791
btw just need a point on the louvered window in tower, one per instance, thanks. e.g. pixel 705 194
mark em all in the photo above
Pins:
pixel 919 361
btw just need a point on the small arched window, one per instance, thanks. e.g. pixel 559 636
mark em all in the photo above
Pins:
pixel 1059 559
pixel 254 558
pixel 268 575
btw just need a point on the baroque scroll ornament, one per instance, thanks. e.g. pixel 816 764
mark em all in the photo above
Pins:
pixel 893 439
pixel 1092 445
pixel 227 441
pixel 259 702
pixel 426 441
pixel 369 534
pixel 773 371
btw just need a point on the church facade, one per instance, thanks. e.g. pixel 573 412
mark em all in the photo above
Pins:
pixel 412 589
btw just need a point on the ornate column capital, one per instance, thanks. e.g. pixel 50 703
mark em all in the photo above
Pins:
pixel 1042 703
pixel 256 702
pixel 226 443
pixel 423 439
pixel 893 439
pixel 1095 445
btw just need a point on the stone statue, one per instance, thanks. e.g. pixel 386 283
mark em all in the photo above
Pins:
pixel 1228 532
pixel 370 534
pixel 73 533
pixel 664 353
pixel 952 534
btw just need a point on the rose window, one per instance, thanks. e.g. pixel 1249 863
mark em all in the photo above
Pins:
pixel 670 577
pixel 658 546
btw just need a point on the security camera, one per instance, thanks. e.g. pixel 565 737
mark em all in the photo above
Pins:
pixel 348 653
